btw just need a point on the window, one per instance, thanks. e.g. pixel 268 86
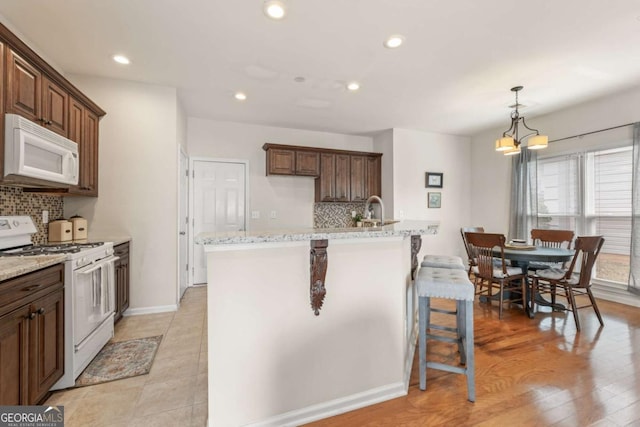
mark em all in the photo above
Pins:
pixel 590 193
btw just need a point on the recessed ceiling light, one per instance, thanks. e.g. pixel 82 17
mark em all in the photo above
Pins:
pixel 240 96
pixel 121 59
pixel 394 41
pixel 353 86
pixel 274 9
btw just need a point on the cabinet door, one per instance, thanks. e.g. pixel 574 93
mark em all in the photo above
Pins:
pixel 122 279
pixel 281 162
pixel 374 178
pixel 342 178
pixel 24 87
pixel 358 178
pixel 55 107
pixel 307 163
pixel 124 295
pixel 325 183
pixel 83 129
pixel 46 345
pixel 14 357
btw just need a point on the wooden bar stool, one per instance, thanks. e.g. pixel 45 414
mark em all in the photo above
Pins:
pixel 443 261
pixel 448 284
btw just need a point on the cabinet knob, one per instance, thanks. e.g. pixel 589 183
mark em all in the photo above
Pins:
pixel 41 310
pixel 31 315
pixel 48 122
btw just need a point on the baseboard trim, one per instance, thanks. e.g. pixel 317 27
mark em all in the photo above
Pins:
pixel 615 295
pixel 150 310
pixel 335 407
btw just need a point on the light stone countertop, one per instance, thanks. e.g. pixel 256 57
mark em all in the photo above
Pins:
pixel 402 228
pixel 14 266
pixel 116 239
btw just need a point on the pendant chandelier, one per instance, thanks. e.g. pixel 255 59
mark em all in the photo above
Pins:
pixel 511 139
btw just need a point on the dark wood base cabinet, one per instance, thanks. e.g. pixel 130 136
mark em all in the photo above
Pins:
pixel 122 279
pixel 31 335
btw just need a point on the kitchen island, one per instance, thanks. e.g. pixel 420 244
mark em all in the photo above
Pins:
pixel 305 324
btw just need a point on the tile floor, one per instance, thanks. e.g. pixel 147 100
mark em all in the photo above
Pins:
pixel 174 393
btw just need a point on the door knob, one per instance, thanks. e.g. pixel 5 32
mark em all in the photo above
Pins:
pixel 182 233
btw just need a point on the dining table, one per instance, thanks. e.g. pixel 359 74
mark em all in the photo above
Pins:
pixel 523 255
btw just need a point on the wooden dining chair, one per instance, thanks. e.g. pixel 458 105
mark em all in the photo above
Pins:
pixel 496 274
pixel 463 230
pixel 550 239
pixel 573 281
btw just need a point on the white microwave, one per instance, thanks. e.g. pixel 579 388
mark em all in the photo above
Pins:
pixel 35 152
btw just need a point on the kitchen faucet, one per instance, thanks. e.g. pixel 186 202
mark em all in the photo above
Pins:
pixel 367 207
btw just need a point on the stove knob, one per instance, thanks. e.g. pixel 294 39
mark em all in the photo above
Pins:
pixel 16 223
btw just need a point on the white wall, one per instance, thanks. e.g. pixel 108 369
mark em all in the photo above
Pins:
pixel 417 152
pixel 383 143
pixel 137 182
pixel 490 171
pixel 291 197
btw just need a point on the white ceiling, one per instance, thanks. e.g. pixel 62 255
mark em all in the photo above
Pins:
pixel 452 75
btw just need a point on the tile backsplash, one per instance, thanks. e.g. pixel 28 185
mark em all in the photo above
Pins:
pixel 335 215
pixel 13 201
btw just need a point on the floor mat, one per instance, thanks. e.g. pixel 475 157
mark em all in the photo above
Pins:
pixel 122 359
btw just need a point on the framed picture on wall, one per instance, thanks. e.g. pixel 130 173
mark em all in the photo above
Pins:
pixel 433 180
pixel 434 200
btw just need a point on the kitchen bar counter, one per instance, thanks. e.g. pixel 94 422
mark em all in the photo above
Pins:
pixel 293 314
pixel 14 266
pixel 402 228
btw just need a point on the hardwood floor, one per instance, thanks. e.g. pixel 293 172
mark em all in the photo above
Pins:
pixel 529 372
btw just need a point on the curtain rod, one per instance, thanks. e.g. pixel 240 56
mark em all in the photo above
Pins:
pixel 595 131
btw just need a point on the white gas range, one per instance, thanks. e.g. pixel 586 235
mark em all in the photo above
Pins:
pixel 89 291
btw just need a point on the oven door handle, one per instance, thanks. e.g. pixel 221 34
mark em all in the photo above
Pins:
pixel 96 265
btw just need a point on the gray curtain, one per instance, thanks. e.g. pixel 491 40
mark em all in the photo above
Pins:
pixel 634 274
pixel 524 194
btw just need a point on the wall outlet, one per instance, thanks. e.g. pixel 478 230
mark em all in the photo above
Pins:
pixel 45 217
pixel 255 214
pixel 273 215
pixel 400 214
pixel 353 214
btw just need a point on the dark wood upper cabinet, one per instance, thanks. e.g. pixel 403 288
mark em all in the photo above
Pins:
pixel 281 162
pixel 55 107
pixel 334 181
pixel 33 89
pixel 307 163
pixel 326 182
pixel 374 176
pixel 341 175
pixel 359 179
pixel 343 178
pixel 24 88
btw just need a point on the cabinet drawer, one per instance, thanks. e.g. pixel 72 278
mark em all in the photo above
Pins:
pixel 29 287
pixel 121 250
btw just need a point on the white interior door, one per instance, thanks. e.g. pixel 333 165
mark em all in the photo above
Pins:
pixel 219 190
pixel 183 225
